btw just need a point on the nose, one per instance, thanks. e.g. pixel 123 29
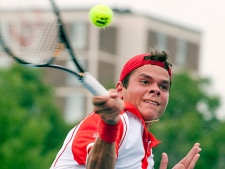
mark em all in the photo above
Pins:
pixel 155 91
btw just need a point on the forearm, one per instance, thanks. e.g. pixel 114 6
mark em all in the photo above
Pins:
pixel 102 155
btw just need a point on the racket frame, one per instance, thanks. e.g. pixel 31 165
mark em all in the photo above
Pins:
pixel 85 78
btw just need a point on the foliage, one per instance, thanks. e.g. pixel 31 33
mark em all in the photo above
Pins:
pixel 31 128
pixel 190 117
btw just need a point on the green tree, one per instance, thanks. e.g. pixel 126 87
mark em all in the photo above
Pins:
pixel 31 127
pixel 190 117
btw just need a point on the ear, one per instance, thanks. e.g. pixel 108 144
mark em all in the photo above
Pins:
pixel 119 88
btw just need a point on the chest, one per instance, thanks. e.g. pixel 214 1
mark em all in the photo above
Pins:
pixel 132 152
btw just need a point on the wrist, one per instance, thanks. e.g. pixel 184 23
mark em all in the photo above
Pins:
pixel 107 132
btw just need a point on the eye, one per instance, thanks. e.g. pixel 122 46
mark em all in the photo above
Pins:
pixel 164 87
pixel 144 82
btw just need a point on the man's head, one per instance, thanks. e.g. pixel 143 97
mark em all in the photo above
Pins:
pixel 153 58
pixel 145 82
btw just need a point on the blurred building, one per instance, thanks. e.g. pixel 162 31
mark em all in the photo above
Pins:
pixel 103 52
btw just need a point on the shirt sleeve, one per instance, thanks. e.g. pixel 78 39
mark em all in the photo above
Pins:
pixel 85 138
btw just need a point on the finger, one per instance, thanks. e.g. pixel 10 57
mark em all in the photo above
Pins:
pixel 106 111
pixel 113 93
pixel 196 144
pixel 164 161
pixel 101 100
pixel 99 103
pixel 191 154
pixel 194 161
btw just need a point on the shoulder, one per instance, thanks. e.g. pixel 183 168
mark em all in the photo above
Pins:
pixel 90 121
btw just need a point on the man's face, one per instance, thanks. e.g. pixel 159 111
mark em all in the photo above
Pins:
pixel 148 91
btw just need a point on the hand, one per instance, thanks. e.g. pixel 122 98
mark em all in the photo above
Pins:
pixel 188 162
pixel 109 107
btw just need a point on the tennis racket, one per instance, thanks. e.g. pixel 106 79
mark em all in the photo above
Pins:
pixel 32 33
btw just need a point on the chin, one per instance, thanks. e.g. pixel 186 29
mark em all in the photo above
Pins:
pixel 149 114
pixel 149 118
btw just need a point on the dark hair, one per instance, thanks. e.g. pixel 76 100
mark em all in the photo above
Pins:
pixel 154 55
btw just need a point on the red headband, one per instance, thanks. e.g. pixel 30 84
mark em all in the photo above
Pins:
pixel 138 61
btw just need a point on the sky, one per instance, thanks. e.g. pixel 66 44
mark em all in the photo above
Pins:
pixel 208 16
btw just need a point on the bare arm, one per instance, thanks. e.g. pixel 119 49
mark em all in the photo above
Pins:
pixel 103 154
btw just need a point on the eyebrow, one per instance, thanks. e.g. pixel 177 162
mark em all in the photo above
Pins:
pixel 150 77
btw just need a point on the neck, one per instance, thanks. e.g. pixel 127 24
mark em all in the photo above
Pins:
pixel 150 123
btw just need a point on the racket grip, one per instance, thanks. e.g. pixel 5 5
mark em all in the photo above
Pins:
pixel 93 85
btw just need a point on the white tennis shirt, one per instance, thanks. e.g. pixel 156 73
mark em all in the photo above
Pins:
pixel 134 145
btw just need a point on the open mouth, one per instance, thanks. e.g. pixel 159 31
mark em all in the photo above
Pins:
pixel 151 102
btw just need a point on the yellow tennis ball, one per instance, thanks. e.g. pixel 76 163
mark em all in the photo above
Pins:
pixel 101 15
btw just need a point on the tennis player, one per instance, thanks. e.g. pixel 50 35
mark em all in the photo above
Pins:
pixel 116 135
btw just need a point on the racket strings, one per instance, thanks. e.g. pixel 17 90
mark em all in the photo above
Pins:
pixel 31 36
pixel 49 41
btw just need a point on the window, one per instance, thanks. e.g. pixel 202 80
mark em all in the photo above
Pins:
pixel 192 58
pixel 75 108
pixel 181 52
pixel 107 40
pixel 106 74
pixel 151 40
pixel 77 32
pixel 70 79
pixel 172 47
pixel 161 42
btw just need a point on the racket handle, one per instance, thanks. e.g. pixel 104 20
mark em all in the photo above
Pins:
pixel 93 85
